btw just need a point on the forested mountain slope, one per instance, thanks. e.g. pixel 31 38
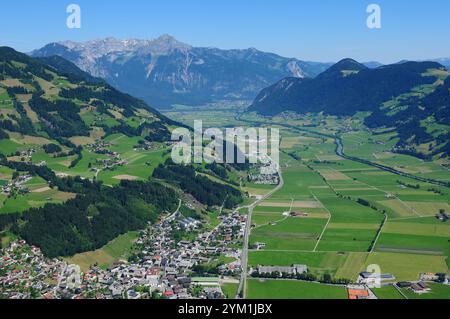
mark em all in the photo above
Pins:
pixel 411 97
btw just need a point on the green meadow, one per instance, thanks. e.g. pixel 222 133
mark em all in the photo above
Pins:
pixel 387 292
pixel 229 290
pixel 407 266
pixel 318 263
pixel 438 291
pixel 289 234
pixel 118 249
pixel 291 289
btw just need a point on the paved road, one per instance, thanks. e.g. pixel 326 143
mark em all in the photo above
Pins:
pixel 172 216
pixel 244 256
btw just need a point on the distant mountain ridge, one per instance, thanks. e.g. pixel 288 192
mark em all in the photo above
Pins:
pixel 444 61
pixel 344 88
pixel 165 71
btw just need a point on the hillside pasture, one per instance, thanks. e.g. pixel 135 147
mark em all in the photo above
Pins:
pixel 115 250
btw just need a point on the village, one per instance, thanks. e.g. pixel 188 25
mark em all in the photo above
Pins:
pixel 114 160
pixel 265 172
pixel 16 186
pixel 161 268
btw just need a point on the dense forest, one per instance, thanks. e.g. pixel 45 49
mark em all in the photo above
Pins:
pixel 66 123
pixel 201 187
pixel 408 121
pixel 96 216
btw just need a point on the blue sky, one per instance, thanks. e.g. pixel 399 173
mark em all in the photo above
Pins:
pixel 318 30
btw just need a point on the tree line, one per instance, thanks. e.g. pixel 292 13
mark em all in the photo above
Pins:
pixel 201 187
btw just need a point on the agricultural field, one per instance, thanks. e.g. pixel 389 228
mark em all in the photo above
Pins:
pixel 229 290
pixel 289 234
pixel 438 291
pixel 377 148
pixel 422 235
pixel 39 195
pixel 399 231
pixel 216 115
pixel 387 292
pixel 337 264
pixel 291 289
pixel 407 266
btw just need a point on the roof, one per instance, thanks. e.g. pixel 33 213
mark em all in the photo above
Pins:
pixel 422 285
pixel 357 293
pixel 416 287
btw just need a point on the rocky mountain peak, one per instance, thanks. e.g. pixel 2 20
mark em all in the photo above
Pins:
pixel 165 71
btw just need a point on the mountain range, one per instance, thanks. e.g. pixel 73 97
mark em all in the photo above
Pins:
pixel 164 71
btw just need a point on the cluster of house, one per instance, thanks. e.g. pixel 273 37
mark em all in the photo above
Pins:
pixel 146 146
pixel 70 279
pixel 267 171
pixel 25 273
pixel 443 216
pixel 421 286
pixel 110 163
pixel 231 229
pixel 27 155
pixel 373 280
pixel 101 147
pixel 16 185
pixel 162 266
pixel 189 223
pixel 264 179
